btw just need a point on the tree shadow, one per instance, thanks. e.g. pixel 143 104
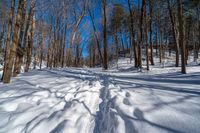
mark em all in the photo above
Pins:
pixel 24 88
pixel 59 127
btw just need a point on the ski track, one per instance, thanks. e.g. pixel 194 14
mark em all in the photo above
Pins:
pixel 86 100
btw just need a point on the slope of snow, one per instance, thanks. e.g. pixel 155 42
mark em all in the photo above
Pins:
pixel 49 101
pixel 119 100
pixel 157 103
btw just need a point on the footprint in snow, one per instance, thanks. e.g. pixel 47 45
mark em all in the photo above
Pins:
pixel 128 94
pixel 139 114
pixel 126 101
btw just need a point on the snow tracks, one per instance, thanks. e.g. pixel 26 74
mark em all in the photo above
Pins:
pixel 55 101
pixel 104 120
pixel 93 101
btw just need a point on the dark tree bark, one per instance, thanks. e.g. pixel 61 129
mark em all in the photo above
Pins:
pixel 181 36
pixel 174 29
pixel 105 64
pixel 141 34
pixel 150 30
pixel 117 47
pixel 133 35
pixel 146 38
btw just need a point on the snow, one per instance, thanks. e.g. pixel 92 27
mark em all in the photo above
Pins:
pixel 90 100
pixel 48 101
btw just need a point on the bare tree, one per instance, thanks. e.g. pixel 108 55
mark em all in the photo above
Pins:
pixel 175 31
pixel 7 45
pixel 73 33
pixel 91 14
pixel 141 34
pixel 150 29
pixel 29 47
pixel 146 36
pixel 20 52
pixel 105 64
pixel 133 44
pixel 181 35
pixel 9 65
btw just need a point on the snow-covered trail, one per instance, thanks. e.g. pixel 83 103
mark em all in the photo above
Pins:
pixel 156 103
pixel 90 100
pixel 49 101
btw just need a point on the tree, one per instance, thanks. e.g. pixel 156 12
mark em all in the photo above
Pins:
pixel 150 29
pixel 7 45
pixel 91 14
pixel 10 62
pixel 141 34
pixel 73 33
pixel 181 35
pixel 133 36
pixel 105 64
pixel 29 47
pixel 175 31
pixel 146 36
pixel 20 52
pixel 116 24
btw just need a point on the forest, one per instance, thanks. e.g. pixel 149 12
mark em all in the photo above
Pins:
pixel 99 66
pixel 93 32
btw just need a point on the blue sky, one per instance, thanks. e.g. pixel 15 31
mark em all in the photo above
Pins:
pixel 85 32
pixel 97 13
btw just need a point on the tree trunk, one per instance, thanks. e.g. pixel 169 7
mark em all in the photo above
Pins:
pixel 122 42
pixel 156 41
pixel 146 38
pixel 8 72
pixel 7 47
pixel 30 42
pixel 133 35
pixel 63 48
pixel 49 49
pixel 35 56
pixel 151 43
pixel 175 34
pixel 20 51
pixel 94 55
pixel 95 34
pixel 72 38
pixel 117 47
pixel 131 49
pixel 105 64
pixel 181 36
pixel 160 46
pixel 141 34
pixel 160 38
pixel 42 50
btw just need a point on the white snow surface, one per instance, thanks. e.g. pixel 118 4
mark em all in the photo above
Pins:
pixel 85 100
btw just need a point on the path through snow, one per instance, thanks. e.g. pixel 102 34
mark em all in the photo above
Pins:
pixel 90 100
